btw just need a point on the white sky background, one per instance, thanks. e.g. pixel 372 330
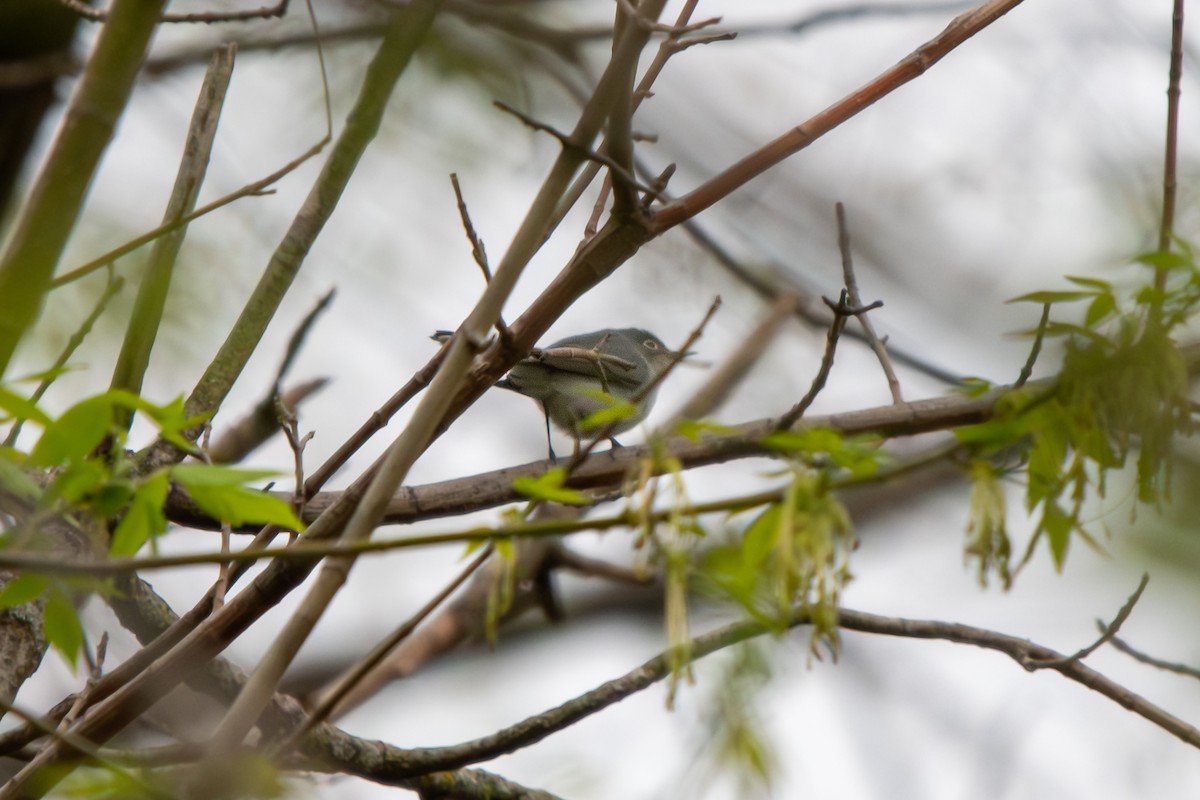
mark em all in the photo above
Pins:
pixel 1032 151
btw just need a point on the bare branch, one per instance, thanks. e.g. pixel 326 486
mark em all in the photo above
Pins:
pixel 840 314
pixel 722 381
pixel 583 152
pixel 1027 370
pixel 327 706
pixel 910 68
pixel 540 726
pixel 851 283
pixel 1108 632
pixel 1171 151
pixel 1167 666
pixel 207 17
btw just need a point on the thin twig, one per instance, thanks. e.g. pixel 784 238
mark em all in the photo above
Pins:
pixel 149 304
pixel 798 137
pixel 289 423
pixel 1170 152
pixel 478 252
pixel 77 744
pixel 257 188
pixel 1167 666
pixel 490 489
pixel 841 312
pixel 807 309
pixel 598 568
pixel 84 698
pixel 1027 370
pixel 540 726
pixel 876 344
pixel 525 530
pixel 585 152
pixel 676 30
pixel 296 340
pixel 390 61
pixel 113 285
pixel 722 381
pixel 238 439
pixel 664 53
pixel 251 189
pixel 1107 632
pixel 850 13
pixel 350 679
pixel 207 17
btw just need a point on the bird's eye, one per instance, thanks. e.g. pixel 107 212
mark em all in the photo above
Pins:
pixel 650 344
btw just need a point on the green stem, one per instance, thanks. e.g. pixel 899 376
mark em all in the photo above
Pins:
pixel 151 299
pixel 45 223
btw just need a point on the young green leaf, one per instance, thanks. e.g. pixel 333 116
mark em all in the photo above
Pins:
pixel 219 492
pixel 144 518
pixel 18 408
pixel 1091 283
pixel 1158 259
pixel 616 411
pixel 22 589
pixel 75 434
pixel 61 624
pixel 1100 309
pixel 1041 298
pixel 13 479
pixel 77 481
pixel 693 430
pixel 549 488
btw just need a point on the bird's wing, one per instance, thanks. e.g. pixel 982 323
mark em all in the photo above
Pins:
pixel 586 361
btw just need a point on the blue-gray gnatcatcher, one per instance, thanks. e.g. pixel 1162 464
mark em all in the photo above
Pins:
pixel 571 377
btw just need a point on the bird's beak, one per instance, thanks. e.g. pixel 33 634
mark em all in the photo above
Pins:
pixel 687 360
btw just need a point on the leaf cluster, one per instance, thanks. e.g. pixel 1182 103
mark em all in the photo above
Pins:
pixel 1121 390
pixel 796 551
pixel 79 475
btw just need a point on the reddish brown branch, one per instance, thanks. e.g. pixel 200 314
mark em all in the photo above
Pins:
pixel 960 29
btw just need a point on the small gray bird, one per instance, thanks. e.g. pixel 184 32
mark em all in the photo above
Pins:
pixel 571 377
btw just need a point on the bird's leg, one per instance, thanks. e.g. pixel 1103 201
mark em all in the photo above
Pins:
pixel 549 443
pixel 614 441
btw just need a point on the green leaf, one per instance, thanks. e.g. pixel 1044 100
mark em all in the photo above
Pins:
pixel 169 419
pixel 973 386
pixel 1041 298
pixel 22 589
pixel 77 481
pixel 693 430
pixel 218 491
pixel 189 475
pixel 75 434
pixel 1149 296
pixel 1157 259
pixel 1057 525
pixel 1099 309
pixel 19 408
pixel 1067 329
pixel 240 506
pixel 618 410
pixel 61 623
pixel 549 488
pixel 144 519
pixel 112 496
pixel 13 480
pixel 1091 283
pixel 996 432
pixel 813 440
pixel 761 536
